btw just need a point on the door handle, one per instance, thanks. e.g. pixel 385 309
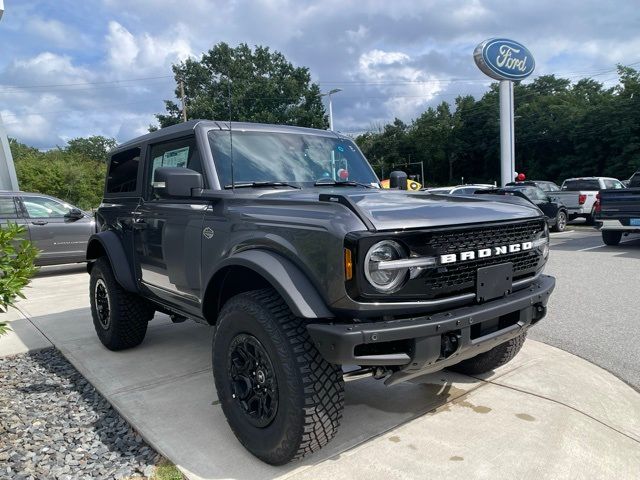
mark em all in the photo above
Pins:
pixel 39 222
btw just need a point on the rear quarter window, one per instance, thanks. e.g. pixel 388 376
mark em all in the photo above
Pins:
pixel 123 171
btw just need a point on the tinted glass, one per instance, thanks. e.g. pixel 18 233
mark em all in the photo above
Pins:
pixel 287 157
pixel 180 153
pixel 43 207
pixel 123 171
pixel 7 208
pixel 635 180
pixel 577 185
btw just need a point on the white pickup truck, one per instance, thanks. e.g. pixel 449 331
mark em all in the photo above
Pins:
pixel 579 195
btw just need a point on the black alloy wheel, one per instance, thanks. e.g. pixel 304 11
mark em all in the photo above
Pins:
pixel 253 380
pixel 102 304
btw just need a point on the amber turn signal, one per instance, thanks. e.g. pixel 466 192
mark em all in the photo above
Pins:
pixel 348 264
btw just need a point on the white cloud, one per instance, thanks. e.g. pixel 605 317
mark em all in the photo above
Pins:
pixel 56 33
pixel 145 53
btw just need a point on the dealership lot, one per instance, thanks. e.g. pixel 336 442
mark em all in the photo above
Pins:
pixel 564 414
pixel 594 310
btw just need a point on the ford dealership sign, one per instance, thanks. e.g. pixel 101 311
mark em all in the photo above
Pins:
pixel 504 59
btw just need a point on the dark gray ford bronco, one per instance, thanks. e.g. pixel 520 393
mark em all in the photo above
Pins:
pixel 282 238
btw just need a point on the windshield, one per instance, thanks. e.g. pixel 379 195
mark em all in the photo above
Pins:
pixel 288 157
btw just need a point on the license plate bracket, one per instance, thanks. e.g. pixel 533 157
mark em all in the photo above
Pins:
pixel 494 281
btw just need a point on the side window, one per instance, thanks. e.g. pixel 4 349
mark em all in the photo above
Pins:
pixel 539 194
pixel 123 171
pixel 7 208
pixel 180 153
pixel 43 207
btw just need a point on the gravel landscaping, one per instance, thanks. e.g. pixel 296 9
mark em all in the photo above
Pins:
pixel 55 425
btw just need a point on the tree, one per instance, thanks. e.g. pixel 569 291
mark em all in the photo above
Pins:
pixel 562 130
pixel 263 86
pixel 16 266
pixel 62 172
pixel 94 148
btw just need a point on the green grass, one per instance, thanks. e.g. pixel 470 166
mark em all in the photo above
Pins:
pixel 166 470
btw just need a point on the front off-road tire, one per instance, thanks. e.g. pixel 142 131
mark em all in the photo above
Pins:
pixel 611 237
pixel 291 403
pixel 119 317
pixel 494 358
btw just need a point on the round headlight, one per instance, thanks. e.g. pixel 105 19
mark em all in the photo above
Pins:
pixel 387 281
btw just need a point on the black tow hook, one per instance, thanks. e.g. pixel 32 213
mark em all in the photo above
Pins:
pixel 449 345
pixel 539 312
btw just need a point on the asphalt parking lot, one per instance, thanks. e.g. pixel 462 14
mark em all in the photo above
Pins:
pixel 594 310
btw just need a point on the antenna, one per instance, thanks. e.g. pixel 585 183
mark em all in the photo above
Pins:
pixel 233 182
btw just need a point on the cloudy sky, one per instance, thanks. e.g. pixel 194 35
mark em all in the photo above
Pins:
pixel 75 68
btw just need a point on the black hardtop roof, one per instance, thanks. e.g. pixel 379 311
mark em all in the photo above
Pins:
pixel 191 125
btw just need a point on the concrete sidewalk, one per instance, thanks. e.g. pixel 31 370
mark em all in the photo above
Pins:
pixel 547 414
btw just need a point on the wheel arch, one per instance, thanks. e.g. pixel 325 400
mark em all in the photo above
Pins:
pixel 108 244
pixel 255 269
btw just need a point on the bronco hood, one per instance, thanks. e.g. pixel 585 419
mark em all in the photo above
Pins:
pixel 393 210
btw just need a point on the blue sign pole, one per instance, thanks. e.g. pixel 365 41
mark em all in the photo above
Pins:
pixel 507 136
pixel 505 60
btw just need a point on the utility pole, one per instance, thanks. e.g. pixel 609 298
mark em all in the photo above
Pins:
pixel 184 103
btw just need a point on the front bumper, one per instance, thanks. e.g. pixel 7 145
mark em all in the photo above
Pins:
pixel 430 343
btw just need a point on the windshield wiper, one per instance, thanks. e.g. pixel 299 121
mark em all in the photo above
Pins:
pixel 260 184
pixel 345 183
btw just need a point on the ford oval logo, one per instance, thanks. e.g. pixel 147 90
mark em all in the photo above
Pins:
pixel 504 59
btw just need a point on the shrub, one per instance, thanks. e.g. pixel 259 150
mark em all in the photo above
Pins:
pixel 16 265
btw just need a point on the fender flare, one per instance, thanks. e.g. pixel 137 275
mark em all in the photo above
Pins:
pixel 109 243
pixel 295 288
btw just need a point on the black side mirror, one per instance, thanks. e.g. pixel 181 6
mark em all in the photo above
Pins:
pixel 176 182
pixel 398 180
pixel 74 214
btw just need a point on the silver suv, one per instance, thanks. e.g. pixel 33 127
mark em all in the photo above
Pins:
pixel 59 230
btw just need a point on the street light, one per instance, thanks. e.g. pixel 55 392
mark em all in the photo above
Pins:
pixel 327 94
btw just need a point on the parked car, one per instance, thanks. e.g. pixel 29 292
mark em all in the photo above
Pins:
pixel 579 195
pixel 555 211
pixel 617 211
pixel 544 185
pixel 252 228
pixel 469 189
pixel 58 229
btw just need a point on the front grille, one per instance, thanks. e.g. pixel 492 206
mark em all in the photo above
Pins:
pixel 461 277
pixel 472 239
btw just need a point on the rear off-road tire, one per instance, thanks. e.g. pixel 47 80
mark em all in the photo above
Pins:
pixel 494 358
pixel 291 403
pixel 119 317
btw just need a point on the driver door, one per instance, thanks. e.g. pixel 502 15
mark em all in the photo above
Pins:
pixel 168 231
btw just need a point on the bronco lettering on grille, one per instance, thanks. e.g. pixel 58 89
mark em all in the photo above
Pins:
pixel 485 252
